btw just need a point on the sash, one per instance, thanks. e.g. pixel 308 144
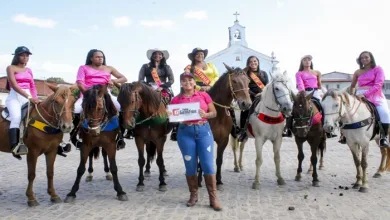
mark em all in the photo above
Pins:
pixel 257 80
pixel 156 78
pixel 201 75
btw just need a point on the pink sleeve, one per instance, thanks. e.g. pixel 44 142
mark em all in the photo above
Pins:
pixel 33 89
pixel 207 98
pixel 81 75
pixel 378 82
pixel 299 81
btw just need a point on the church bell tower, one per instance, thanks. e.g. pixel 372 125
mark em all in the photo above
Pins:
pixel 237 34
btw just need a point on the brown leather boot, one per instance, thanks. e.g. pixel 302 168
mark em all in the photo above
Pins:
pixel 211 184
pixel 192 182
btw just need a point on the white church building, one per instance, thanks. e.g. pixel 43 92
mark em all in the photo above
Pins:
pixel 238 52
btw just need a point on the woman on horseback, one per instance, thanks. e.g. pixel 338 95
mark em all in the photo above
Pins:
pixel 94 72
pixel 258 79
pixel 196 141
pixel 370 78
pixel 22 90
pixel 308 80
pixel 158 74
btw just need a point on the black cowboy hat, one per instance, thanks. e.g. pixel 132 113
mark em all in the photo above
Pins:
pixel 196 50
pixel 22 49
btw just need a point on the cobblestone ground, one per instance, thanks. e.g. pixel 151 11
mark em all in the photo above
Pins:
pixel 97 199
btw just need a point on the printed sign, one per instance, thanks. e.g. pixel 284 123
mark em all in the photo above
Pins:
pixel 184 112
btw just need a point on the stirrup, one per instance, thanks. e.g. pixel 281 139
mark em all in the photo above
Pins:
pixel 383 142
pixel 19 150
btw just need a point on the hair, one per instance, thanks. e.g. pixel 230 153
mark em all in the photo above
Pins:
pixel 15 61
pixel 90 54
pixel 163 61
pixel 301 65
pixel 91 97
pixel 373 63
pixel 248 61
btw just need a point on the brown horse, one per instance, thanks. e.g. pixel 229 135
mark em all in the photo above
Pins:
pixel 144 111
pixel 48 121
pixel 308 127
pixel 94 154
pixel 233 85
pixel 100 128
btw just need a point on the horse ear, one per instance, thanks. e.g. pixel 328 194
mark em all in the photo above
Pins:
pixel 52 87
pixel 285 73
pixel 228 67
pixel 103 90
pixel 308 97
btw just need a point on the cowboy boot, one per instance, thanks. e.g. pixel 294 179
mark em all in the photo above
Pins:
pixel 73 134
pixel 120 143
pixel 174 131
pixel 211 184
pixel 192 182
pixel 16 148
pixel 384 136
pixel 244 120
pixel 287 129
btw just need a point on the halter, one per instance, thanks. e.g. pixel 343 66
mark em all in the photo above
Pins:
pixel 233 93
pixel 309 119
pixel 341 103
pixel 103 119
pixel 56 116
pixel 277 97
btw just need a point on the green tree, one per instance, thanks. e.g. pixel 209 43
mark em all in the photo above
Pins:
pixel 55 79
pixel 115 91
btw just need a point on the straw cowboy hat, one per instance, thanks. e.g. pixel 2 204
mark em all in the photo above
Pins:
pixel 150 52
pixel 196 50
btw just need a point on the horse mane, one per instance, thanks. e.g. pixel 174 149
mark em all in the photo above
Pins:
pixel 62 91
pixel 223 80
pixel 90 100
pixel 334 93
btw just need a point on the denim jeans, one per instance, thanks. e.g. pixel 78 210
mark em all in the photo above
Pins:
pixel 196 142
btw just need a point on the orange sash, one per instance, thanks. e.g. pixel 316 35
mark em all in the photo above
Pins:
pixel 156 78
pixel 200 74
pixel 257 80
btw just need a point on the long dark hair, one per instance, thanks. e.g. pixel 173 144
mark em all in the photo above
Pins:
pixel 15 61
pixel 163 61
pixel 301 67
pixel 248 61
pixel 373 63
pixel 90 54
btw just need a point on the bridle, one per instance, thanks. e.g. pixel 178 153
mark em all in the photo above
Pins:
pixel 309 120
pixel 277 97
pixel 103 119
pixel 233 93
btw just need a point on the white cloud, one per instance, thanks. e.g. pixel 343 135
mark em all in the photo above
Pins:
pixel 279 3
pixel 198 15
pixel 55 68
pixel 75 31
pixel 157 23
pixel 94 27
pixel 122 21
pixel 33 21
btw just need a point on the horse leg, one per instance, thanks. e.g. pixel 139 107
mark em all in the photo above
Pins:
pixel 314 145
pixel 50 158
pixel 322 149
pixel 111 152
pixel 310 168
pixel 382 164
pixel 355 154
pixel 32 157
pixel 364 187
pixel 141 163
pixel 234 143
pixel 160 164
pixel 84 153
pixel 301 156
pixel 259 161
pixel 200 171
pixel 220 150
pixel 276 147
pixel 90 167
pixel 148 161
pixel 242 146
pixel 106 167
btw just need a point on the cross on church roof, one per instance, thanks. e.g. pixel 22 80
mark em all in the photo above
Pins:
pixel 236 14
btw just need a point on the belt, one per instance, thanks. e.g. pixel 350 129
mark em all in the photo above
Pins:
pixel 310 89
pixel 194 123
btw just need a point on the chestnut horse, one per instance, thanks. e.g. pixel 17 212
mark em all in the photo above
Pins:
pixel 144 111
pixel 232 85
pixel 100 128
pixel 48 121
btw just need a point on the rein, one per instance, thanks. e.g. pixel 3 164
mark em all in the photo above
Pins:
pixel 277 97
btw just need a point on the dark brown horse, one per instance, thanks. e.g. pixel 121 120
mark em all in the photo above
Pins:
pixel 308 127
pixel 144 111
pixel 231 85
pixel 100 128
pixel 54 117
pixel 94 154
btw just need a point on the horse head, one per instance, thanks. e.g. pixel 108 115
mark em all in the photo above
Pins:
pixel 95 108
pixel 281 90
pixel 332 104
pixel 302 113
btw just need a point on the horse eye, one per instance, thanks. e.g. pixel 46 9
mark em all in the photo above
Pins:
pixel 277 89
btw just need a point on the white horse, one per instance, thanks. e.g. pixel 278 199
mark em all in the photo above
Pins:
pixel 341 106
pixel 275 99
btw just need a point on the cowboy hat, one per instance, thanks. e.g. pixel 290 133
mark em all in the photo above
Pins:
pixel 307 56
pixel 150 52
pixel 196 50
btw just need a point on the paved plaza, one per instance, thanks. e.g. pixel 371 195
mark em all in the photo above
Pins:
pixel 97 199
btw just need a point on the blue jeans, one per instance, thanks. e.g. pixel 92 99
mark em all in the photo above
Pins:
pixel 196 141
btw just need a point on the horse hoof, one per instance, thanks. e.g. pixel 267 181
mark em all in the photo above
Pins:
pixel 219 187
pixel 69 199
pixel 256 186
pixel 321 167
pixel 236 169
pixel 32 203
pixel 109 177
pixel 316 183
pixel 242 168
pixel 123 197
pixel 140 188
pixel 147 174
pixel 309 171
pixel 281 182
pixel 377 175
pixel 165 173
pixel 163 188
pixel 363 189
pixel 56 200
pixel 298 178
pixel 199 184
pixel 88 178
pixel 356 186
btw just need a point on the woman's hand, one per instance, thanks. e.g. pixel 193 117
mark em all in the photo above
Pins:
pixel 202 113
pixel 169 113
pixel 111 83
pixel 35 101
pixel 361 96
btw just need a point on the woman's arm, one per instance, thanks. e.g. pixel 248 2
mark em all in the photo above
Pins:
pixel 212 113
pixel 171 78
pixel 33 88
pixel 299 81
pixel 80 81
pixel 120 78
pixel 378 82
pixel 14 84
pixel 318 79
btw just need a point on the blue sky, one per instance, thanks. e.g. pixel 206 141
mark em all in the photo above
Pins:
pixel 60 33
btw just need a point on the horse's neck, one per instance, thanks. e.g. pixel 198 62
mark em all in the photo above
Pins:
pixel 268 100
pixel 356 111
pixel 222 97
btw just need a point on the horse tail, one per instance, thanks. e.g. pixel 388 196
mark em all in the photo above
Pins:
pixel 387 166
pixel 151 150
pixel 95 152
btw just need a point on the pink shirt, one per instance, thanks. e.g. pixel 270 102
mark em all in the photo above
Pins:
pixel 202 97
pixel 306 80
pixel 90 77
pixel 25 80
pixel 374 79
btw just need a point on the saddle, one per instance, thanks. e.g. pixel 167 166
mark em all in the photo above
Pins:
pixel 24 109
pixel 374 113
pixel 317 103
pixel 109 125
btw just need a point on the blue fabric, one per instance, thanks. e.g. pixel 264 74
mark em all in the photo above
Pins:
pixel 196 142
pixel 109 126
